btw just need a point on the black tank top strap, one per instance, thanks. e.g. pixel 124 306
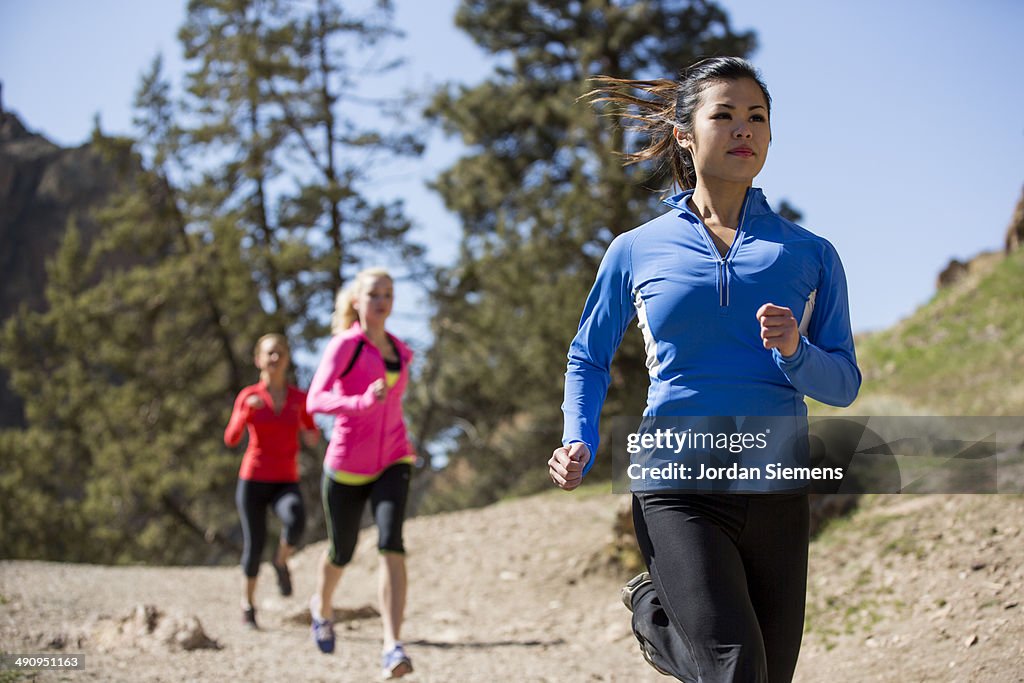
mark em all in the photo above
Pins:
pixel 393 365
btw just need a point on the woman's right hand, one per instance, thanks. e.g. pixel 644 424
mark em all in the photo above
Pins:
pixel 566 465
pixel 380 389
pixel 254 402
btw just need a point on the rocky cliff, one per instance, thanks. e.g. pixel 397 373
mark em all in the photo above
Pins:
pixel 1015 233
pixel 958 270
pixel 42 186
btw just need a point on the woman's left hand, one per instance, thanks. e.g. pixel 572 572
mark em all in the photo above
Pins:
pixel 778 329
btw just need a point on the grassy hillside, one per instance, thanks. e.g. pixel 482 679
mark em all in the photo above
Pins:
pixel 962 353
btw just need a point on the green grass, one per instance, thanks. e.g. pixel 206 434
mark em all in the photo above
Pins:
pixel 837 530
pixel 906 545
pixel 588 489
pixel 959 353
pixel 10 675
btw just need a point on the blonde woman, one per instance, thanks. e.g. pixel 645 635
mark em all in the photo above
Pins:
pixel 360 381
pixel 274 414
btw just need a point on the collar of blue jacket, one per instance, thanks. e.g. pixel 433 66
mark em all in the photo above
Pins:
pixel 754 203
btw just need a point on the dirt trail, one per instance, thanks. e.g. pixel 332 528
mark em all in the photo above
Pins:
pixel 925 588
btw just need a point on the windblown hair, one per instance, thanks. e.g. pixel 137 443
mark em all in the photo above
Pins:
pixel 344 311
pixel 656 108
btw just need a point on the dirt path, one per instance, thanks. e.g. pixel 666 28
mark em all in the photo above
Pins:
pixel 910 589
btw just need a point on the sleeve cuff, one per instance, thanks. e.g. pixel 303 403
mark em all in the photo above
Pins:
pixel 590 447
pixel 791 361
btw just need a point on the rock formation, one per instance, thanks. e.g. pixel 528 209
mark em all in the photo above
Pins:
pixel 1015 233
pixel 42 186
pixel 957 270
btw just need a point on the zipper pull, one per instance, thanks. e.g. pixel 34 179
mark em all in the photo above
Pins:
pixel 724 299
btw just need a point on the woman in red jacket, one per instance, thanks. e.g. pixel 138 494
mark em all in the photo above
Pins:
pixel 275 415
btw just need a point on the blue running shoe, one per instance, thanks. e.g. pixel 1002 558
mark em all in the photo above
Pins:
pixel 395 663
pixel 323 634
pixel 323 629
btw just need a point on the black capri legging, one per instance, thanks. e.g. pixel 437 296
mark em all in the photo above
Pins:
pixel 253 498
pixel 344 503
pixel 729 576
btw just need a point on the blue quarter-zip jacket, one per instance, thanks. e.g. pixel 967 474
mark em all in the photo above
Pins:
pixel 696 311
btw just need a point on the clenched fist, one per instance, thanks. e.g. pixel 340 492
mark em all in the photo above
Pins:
pixel 778 329
pixel 566 465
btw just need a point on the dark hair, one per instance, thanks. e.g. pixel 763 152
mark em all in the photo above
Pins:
pixel 667 104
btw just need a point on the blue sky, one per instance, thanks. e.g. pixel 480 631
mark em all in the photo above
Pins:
pixel 898 127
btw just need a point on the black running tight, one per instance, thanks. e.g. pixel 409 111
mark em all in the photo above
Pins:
pixel 344 504
pixel 729 576
pixel 253 498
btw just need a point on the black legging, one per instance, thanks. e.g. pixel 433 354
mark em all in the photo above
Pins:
pixel 253 498
pixel 730 578
pixel 344 503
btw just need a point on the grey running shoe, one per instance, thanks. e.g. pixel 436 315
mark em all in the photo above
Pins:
pixel 630 588
pixel 628 591
pixel 648 652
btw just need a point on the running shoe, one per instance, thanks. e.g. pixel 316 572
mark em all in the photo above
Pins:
pixel 249 618
pixel 395 663
pixel 631 588
pixel 323 630
pixel 284 578
pixel 627 593
pixel 648 651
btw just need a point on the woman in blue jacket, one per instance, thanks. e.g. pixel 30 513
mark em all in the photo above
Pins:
pixel 743 313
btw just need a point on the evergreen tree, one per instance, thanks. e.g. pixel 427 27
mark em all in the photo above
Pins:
pixel 161 145
pixel 273 89
pixel 540 196
pixel 326 117
pixel 224 231
pixel 126 383
pixel 232 47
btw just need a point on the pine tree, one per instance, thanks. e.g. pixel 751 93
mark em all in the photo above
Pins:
pixel 119 375
pixel 326 116
pixel 232 49
pixel 273 88
pixel 129 374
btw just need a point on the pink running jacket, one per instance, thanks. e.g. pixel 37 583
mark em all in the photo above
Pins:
pixel 368 436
